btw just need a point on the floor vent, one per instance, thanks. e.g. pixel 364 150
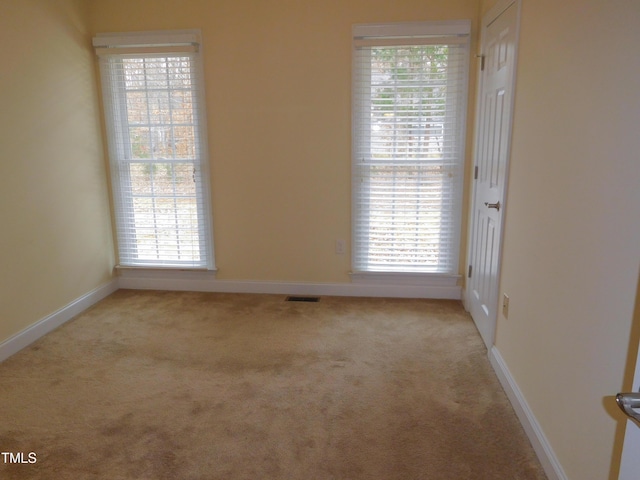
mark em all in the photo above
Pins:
pixel 303 299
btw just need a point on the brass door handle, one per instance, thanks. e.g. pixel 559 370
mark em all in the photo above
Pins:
pixel 492 205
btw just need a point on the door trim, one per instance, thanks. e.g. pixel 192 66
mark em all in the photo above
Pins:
pixel 493 13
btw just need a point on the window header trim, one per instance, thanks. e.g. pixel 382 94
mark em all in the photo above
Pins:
pixel 412 29
pixel 147 42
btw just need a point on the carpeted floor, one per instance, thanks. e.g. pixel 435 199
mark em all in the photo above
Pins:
pixel 180 386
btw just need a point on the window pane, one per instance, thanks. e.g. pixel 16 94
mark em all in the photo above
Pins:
pixel 185 142
pixel 137 112
pixel 140 142
pixel 140 176
pixel 182 107
pixel 158 104
pixel 179 73
pixel 134 74
pixel 408 95
pixel 156 73
pixel 162 142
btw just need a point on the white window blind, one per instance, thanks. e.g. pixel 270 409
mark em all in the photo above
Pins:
pixel 154 109
pixel 409 105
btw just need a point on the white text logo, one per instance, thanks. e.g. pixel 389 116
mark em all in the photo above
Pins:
pixel 19 457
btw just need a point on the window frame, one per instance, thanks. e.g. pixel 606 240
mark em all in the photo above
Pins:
pixel 396 34
pixel 114 47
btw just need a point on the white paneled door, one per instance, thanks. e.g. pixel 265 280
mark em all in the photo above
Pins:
pixel 497 82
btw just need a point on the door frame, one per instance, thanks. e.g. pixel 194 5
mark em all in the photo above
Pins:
pixel 492 14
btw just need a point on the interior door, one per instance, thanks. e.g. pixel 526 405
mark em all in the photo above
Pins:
pixel 630 403
pixel 497 81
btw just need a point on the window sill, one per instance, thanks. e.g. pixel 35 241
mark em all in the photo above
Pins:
pixel 165 272
pixel 393 278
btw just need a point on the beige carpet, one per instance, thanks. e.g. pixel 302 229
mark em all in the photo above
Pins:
pixel 165 385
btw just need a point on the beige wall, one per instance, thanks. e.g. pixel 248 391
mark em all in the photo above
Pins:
pixel 572 238
pixel 55 234
pixel 278 92
pixel 278 86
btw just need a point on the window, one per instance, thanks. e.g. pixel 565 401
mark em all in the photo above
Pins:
pixel 409 105
pixel 154 109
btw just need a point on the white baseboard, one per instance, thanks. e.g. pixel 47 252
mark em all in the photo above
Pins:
pixel 206 282
pixel 53 321
pixel 538 440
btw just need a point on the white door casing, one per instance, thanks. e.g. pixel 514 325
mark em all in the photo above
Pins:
pixel 491 157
